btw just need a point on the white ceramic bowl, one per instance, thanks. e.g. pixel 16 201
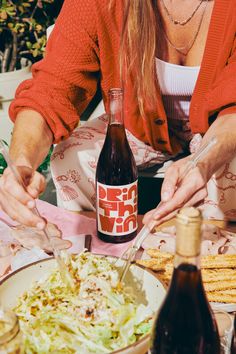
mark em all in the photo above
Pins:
pixel 148 288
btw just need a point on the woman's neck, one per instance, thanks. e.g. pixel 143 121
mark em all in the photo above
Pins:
pixel 171 35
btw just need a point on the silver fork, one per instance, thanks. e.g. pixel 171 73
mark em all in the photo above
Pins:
pixel 129 255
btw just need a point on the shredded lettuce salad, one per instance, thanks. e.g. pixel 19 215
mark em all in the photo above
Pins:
pixel 101 316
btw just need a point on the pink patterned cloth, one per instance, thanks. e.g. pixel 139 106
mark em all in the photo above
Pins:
pixel 221 199
pixel 74 163
pixel 220 202
pixel 214 240
pixel 73 226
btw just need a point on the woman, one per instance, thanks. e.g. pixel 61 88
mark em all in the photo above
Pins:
pixel 164 50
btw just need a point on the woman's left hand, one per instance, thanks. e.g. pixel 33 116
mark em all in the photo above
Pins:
pixel 192 189
pixel 175 194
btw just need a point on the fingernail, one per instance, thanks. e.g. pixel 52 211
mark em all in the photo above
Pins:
pixel 165 196
pixel 40 225
pixel 31 204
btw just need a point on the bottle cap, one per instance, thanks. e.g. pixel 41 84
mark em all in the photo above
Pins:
pixel 188 232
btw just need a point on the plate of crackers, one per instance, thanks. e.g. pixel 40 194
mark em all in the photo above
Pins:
pixel 218 272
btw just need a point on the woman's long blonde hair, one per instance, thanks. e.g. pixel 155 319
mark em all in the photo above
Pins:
pixel 138 48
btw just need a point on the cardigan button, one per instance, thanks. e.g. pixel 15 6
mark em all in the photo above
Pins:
pixel 159 121
pixel 161 141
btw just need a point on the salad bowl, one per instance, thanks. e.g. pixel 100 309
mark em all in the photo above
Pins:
pixel 147 288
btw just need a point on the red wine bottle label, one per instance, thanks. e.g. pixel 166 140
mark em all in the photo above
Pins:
pixel 117 209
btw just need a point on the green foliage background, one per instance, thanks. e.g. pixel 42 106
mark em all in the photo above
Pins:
pixel 43 168
pixel 23 25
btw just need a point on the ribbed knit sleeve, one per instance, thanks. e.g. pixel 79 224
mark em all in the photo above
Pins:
pixel 65 81
pixel 222 96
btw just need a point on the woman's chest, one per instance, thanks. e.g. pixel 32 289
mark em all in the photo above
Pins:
pixel 182 30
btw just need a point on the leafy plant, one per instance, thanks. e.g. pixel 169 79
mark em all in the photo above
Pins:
pixel 23 25
pixel 45 164
pixel 3 164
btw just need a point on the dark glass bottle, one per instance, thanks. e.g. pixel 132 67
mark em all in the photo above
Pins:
pixel 116 180
pixel 233 345
pixel 185 323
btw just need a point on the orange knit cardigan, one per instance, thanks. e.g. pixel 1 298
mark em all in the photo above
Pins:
pixel 83 52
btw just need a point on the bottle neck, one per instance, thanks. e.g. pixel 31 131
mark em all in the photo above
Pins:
pixel 116 119
pixel 116 107
pixel 188 238
pixel 188 235
pixel 179 259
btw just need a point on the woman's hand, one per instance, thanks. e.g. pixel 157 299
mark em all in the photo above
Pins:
pixel 30 143
pixel 192 189
pixel 175 194
pixel 30 237
pixel 18 202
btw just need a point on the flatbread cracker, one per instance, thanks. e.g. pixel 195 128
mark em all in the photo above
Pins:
pixel 221 297
pixel 218 273
pixel 220 285
pixel 219 261
pixel 213 275
pixel 155 253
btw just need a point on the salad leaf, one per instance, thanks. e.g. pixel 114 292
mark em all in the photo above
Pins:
pixel 100 317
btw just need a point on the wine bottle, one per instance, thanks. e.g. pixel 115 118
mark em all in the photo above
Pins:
pixel 116 180
pixel 233 344
pixel 185 322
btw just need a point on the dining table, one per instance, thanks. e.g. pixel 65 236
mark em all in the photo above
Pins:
pixel 74 226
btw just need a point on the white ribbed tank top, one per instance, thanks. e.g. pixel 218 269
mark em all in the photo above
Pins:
pixel 177 84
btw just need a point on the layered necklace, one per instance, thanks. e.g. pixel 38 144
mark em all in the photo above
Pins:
pixel 184 22
pixel 185 49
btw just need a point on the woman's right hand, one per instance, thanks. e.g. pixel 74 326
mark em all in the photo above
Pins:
pixel 18 202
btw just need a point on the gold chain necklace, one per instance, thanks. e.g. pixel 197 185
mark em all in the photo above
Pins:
pixel 177 22
pixel 185 50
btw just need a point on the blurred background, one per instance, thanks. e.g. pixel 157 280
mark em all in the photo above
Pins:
pixel 23 26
